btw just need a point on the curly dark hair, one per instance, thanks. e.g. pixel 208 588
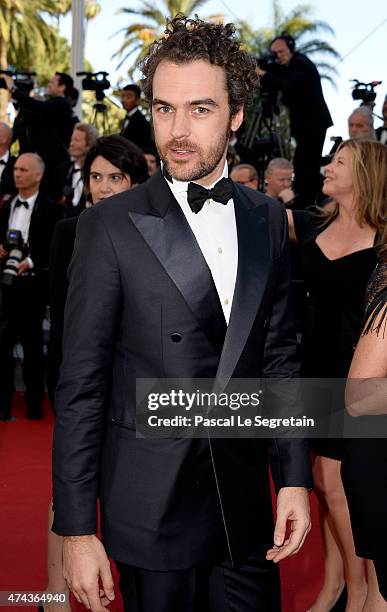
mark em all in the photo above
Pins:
pixel 188 40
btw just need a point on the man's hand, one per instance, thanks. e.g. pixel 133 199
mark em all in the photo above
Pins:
pixel 8 81
pixel 23 267
pixel 3 252
pixel 259 71
pixel 293 506
pixel 286 195
pixel 85 564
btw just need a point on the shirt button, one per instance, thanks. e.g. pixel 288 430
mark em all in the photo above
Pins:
pixel 220 250
pixel 225 302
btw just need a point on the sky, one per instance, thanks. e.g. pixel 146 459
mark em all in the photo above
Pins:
pixel 351 20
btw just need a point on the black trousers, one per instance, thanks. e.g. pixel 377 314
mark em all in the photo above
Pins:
pixel 22 308
pixel 307 162
pixel 254 587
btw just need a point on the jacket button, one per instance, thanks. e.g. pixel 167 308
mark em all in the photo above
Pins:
pixel 176 337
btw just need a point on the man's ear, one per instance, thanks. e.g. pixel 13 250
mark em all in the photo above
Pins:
pixel 236 120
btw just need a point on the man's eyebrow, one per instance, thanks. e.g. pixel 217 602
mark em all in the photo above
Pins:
pixel 201 102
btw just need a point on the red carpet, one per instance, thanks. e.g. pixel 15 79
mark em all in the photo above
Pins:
pixel 25 491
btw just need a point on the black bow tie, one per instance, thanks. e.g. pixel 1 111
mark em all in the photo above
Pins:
pixel 197 195
pixel 21 203
pixel 2 162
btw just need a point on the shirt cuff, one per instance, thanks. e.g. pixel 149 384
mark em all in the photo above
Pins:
pixel 30 262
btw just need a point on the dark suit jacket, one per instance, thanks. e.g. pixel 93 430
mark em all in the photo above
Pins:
pixel 137 278
pixel 62 248
pixel 62 177
pixel 7 183
pixel 138 130
pixel 44 127
pixel 44 217
pixel 302 93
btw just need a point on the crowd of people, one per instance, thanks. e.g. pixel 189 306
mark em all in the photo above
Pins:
pixel 185 273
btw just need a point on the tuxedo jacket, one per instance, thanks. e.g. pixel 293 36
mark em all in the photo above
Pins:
pixel 7 183
pixel 45 215
pixel 137 280
pixel 62 247
pixel 138 130
pixel 62 177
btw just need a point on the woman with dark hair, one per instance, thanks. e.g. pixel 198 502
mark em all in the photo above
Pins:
pixel 112 165
pixel 364 467
pixel 338 251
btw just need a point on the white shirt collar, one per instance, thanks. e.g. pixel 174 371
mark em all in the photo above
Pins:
pixel 5 157
pixel 182 186
pixel 31 200
pixel 134 110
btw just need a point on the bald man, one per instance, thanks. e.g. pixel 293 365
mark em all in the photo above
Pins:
pixel 7 161
pixel 24 293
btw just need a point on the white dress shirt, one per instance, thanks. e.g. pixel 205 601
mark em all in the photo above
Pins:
pixel 77 183
pixel 215 230
pixel 20 218
pixel 5 159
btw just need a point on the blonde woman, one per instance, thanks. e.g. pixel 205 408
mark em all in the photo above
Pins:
pixel 338 249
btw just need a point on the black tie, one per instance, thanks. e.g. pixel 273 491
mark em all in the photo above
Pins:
pixel 21 203
pixel 2 162
pixel 197 194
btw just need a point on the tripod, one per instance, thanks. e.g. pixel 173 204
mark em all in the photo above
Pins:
pixel 100 118
pixel 263 135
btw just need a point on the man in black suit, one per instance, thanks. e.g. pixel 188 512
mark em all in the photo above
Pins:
pixel 67 185
pixel 300 84
pixel 25 298
pixel 178 279
pixel 45 126
pixel 7 161
pixel 135 126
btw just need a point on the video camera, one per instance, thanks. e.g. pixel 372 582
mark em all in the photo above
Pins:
pixel 266 60
pixel 22 80
pixel 14 245
pixel 364 91
pixel 95 81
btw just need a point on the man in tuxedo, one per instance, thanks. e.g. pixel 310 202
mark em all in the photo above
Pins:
pixel 135 126
pixel 67 185
pixel 299 81
pixel 7 161
pixel 25 298
pixel 186 276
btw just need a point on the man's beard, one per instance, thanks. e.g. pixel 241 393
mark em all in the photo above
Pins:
pixel 207 161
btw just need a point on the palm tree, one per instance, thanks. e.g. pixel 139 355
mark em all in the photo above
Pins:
pixel 140 35
pixel 299 23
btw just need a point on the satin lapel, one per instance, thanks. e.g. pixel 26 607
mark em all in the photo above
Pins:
pixel 253 268
pixel 173 242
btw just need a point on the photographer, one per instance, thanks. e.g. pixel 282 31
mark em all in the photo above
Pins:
pixel 135 127
pixel 67 185
pixel 50 120
pixel 361 124
pixel 299 82
pixel 27 224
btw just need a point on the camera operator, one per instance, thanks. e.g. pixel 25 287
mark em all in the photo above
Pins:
pixel 27 224
pixel 381 132
pixel 300 84
pixel 51 119
pixel 7 162
pixel 67 185
pixel 361 124
pixel 135 127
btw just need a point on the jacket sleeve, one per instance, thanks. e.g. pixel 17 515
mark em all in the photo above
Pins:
pixel 289 456
pixel 91 323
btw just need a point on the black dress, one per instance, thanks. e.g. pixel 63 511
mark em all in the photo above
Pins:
pixel 336 290
pixel 364 467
